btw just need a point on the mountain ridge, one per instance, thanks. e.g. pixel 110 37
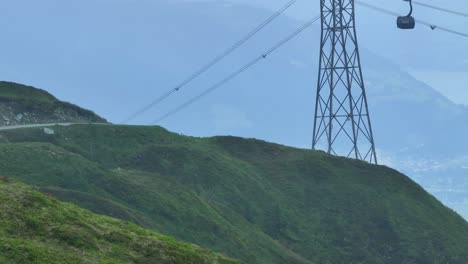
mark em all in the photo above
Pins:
pixel 23 105
pixel 256 201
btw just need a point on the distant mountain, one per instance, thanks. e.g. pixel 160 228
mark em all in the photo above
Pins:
pixel 23 105
pixel 253 200
pixel 36 228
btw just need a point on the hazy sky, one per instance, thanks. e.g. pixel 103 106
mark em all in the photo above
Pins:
pixel 59 45
pixel 449 80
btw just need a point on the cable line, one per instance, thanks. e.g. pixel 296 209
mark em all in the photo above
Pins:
pixel 432 26
pixel 238 72
pixel 210 64
pixel 440 8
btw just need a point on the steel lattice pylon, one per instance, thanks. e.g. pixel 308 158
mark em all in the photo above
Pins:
pixel 342 123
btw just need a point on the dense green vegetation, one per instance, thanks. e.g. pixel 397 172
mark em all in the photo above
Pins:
pixel 29 99
pixel 35 228
pixel 252 200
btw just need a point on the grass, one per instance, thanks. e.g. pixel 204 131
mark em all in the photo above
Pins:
pixel 249 199
pixel 35 228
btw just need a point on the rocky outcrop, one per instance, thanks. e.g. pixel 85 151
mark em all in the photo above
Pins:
pixel 23 105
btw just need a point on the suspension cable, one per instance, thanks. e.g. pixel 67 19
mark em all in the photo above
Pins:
pixel 440 8
pixel 210 64
pixel 431 25
pixel 238 72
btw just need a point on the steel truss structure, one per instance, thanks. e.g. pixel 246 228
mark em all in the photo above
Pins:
pixel 342 123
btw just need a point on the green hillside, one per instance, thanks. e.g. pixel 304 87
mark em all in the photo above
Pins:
pixel 252 200
pixel 21 104
pixel 35 228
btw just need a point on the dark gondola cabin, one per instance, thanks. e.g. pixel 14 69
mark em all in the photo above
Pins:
pixel 406 22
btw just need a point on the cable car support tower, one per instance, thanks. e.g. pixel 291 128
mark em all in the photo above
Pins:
pixel 342 125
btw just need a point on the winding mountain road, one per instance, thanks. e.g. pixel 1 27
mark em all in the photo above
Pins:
pixel 3 128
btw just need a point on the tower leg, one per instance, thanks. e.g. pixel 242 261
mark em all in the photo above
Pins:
pixel 342 123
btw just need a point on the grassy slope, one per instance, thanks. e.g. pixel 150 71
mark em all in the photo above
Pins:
pixel 35 228
pixel 252 200
pixel 27 98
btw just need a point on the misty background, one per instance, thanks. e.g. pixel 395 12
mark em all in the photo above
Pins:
pixel 115 56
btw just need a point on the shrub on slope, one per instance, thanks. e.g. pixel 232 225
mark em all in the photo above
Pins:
pixel 35 228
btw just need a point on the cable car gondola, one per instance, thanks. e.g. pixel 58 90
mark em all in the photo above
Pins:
pixel 407 22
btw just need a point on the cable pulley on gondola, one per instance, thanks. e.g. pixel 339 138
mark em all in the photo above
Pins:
pixel 408 21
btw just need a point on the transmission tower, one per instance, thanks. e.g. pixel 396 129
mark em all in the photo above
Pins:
pixel 342 123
